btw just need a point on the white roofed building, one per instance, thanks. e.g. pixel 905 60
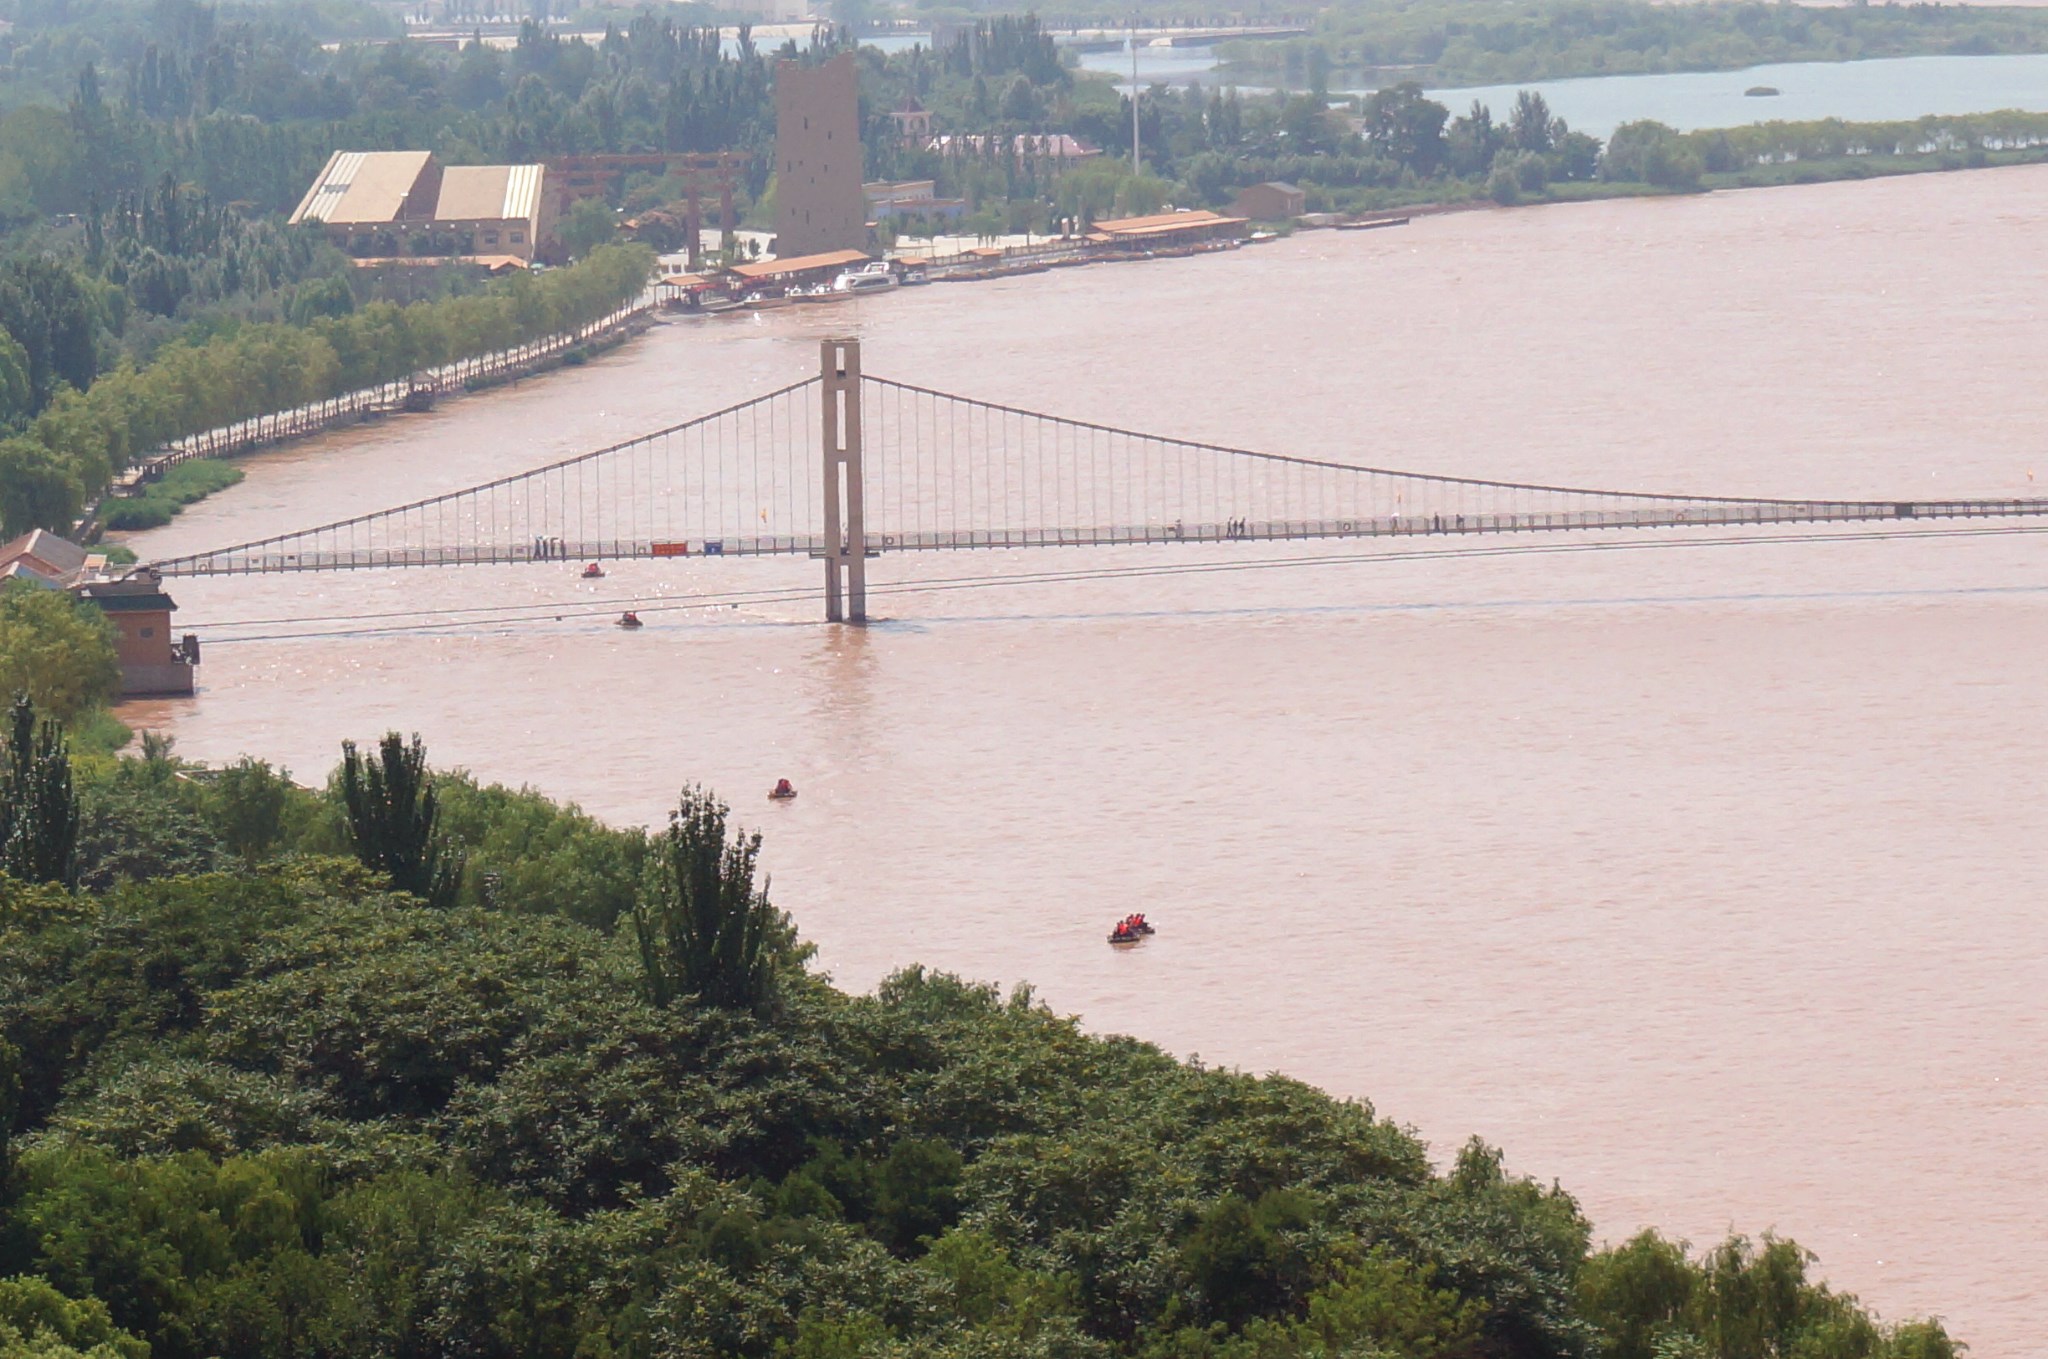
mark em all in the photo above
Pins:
pixel 390 204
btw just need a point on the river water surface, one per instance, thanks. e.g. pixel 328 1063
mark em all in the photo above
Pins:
pixel 1881 89
pixel 1708 881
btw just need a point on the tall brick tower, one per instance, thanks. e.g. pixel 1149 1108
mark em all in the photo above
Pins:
pixel 818 205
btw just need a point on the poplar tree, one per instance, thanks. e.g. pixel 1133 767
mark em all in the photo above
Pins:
pixel 703 929
pixel 38 805
pixel 393 819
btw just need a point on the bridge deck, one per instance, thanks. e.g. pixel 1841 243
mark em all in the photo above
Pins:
pixel 256 558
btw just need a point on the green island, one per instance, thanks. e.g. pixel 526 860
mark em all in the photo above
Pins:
pixel 411 1065
pixel 1494 42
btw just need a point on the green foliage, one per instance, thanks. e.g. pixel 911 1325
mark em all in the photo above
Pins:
pixel 1501 41
pixel 916 1193
pixel 1378 1304
pixel 99 732
pixel 283 1111
pixel 1653 153
pixel 1244 1258
pixel 141 821
pixel 393 820
pixel 588 225
pixel 57 650
pixel 1504 186
pixel 1637 1293
pixel 184 483
pixel 822 1335
pixel 203 382
pixel 17 396
pixel 250 803
pixel 38 487
pixel 232 1275
pixel 704 931
pixel 526 853
pixel 38 1322
pixel 38 805
pixel 1648 1297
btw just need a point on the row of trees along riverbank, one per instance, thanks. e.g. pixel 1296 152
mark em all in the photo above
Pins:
pixel 82 439
pixel 1457 42
pixel 417 1067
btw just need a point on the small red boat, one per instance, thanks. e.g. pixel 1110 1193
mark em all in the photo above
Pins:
pixel 783 791
pixel 593 572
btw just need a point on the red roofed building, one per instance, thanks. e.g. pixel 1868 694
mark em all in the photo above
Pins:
pixel 152 662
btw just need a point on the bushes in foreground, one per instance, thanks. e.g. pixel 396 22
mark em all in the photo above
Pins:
pixel 277 1109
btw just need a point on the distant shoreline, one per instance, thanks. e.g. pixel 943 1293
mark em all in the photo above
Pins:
pixel 1842 169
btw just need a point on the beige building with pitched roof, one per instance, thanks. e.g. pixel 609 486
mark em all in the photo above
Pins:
pixel 386 204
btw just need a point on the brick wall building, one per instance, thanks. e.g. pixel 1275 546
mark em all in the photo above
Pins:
pixel 818 204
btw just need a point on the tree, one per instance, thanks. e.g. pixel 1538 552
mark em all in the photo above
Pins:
pixel 17 396
pixel 36 489
pixel 38 805
pixel 141 822
pixel 247 802
pixel 1242 1258
pixel 10 1105
pixel 1503 185
pixel 38 1320
pixel 916 1193
pixel 1578 156
pixel 1635 1292
pixel 588 225
pixel 1472 142
pixel 1530 126
pixel 1407 127
pixel 702 928
pixel 56 650
pixel 1652 153
pixel 1020 102
pixel 392 819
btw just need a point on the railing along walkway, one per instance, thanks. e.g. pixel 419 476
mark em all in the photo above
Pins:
pixel 1748 513
pixel 273 427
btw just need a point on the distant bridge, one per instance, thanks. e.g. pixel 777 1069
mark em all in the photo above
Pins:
pixel 844 467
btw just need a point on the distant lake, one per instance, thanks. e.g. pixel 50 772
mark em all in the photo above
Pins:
pixel 1859 91
pixel 897 42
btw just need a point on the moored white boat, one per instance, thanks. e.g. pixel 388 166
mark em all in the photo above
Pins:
pixel 870 277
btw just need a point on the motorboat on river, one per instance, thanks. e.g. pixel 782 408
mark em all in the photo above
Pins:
pixel 1131 929
pixel 870 277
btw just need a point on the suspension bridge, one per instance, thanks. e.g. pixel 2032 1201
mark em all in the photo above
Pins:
pixel 844 466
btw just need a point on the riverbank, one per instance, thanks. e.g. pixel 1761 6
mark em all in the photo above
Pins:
pixel 163 486
pixel 1447 43
pixel 1397 206
pixel 242 385
pixel 1377 208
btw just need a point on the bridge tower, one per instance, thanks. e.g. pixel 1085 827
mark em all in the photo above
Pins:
pixel 846 535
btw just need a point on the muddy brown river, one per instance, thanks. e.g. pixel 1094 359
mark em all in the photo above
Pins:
pixel 1707 880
